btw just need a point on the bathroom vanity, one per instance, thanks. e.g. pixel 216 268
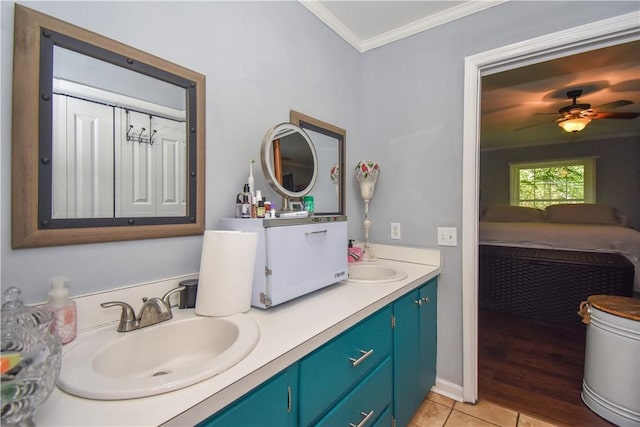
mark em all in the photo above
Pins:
pixel 297 339
pixel 288 252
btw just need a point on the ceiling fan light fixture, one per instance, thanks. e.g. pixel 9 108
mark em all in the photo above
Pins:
pixel 574 125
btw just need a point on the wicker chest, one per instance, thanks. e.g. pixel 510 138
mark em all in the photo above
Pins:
pixel 547 285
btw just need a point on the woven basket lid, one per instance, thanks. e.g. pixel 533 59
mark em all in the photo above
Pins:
pixel 626 307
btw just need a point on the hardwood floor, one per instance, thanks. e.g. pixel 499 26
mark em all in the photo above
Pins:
pixel 534 369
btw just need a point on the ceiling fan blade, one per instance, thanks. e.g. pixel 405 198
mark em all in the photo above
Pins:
pixel 533 125
pixel 615 104
pixel 619 115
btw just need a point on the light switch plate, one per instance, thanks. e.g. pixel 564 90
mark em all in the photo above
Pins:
pixel 447 236
pixel 396 233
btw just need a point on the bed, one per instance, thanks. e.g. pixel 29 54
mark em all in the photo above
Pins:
pixel 540 262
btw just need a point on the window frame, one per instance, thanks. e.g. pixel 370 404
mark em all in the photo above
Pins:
pixel 589 164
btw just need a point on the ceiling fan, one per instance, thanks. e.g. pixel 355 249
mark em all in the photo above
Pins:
pixel 575 117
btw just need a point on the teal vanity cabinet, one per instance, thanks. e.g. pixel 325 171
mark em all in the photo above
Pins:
pixel 378 370
pixel 270 404
pixel 414 350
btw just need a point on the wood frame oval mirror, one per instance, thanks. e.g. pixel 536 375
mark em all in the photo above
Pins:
pixel 289 162
pixel 47 210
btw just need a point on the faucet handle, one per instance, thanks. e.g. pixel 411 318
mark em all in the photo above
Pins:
pixel 166 296
pixel 127 317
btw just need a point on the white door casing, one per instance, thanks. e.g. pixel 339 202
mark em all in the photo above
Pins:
pixel 608 32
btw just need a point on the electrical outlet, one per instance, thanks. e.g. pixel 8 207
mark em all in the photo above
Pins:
pixel 447 236
pixel 395 231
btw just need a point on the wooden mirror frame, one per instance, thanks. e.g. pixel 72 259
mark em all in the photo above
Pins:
pixel 311 123
pixel 26 232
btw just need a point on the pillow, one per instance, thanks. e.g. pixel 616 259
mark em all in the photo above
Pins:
pixel 512 214
pixel 581 214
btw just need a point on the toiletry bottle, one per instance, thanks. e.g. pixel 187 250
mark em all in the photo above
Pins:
pixel 238 213
pixel 307 202
pixel 259 204
pixel 354 253
pixel 63 309
pixel 246 202
pixel 267 209
pixel 254 206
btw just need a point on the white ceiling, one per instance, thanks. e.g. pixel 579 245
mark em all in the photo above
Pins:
pixel 511 100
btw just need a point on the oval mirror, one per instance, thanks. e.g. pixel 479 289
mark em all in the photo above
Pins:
pixel 289 162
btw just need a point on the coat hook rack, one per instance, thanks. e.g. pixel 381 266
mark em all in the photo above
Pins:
pixel 140 137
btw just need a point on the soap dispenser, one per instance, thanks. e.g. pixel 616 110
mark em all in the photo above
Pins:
pixel 63 310
pixel 353 252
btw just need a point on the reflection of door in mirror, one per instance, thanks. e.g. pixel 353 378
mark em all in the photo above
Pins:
pixel 116 155
pixel 277 164
pixel 82 177
pixel 147 165
pixel 150 178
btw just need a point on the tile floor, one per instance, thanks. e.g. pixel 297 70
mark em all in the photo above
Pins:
pixel 440 411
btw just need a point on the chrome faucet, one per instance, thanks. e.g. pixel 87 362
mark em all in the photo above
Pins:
pixel 154 310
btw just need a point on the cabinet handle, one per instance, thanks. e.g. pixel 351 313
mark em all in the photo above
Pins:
pixel 425 299
pixel 359 360
pixel 418 301
pixel 288 398
pixel 309 233
pixel 367 417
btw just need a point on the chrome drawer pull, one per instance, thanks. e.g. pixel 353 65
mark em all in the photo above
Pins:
pixel 366 419
pixel 309 233
pixel 418 301
pixel 359 360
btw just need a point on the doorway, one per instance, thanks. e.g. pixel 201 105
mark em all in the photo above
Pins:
pixel 597 35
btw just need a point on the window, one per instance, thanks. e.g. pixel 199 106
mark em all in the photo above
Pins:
pixel 540 184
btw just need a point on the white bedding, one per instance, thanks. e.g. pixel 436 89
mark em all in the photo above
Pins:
pixel 583 237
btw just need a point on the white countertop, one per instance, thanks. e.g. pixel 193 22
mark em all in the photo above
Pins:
pixel 287 333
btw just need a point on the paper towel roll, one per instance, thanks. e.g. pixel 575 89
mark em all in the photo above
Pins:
pixel 226 272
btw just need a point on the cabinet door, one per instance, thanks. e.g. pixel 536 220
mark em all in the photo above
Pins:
pixel 271 404
pixel 428 336
pixel 406 358
pixel 414 349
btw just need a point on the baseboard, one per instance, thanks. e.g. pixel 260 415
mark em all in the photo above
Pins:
pixel 448 389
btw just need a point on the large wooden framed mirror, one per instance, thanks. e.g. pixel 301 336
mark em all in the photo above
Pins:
pixel 108 141
pixel 329 142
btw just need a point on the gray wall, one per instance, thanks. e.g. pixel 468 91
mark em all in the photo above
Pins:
pixel 617 172
pixel 412 95
pixel 401 105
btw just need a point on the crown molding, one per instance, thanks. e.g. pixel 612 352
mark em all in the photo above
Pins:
pixel 323 14
pixel 423 24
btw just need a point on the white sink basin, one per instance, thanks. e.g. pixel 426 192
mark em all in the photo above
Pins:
pixel 374 273
pixel 111 365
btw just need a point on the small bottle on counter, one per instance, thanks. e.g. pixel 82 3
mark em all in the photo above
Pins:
pixel 63 309
pixel 246 203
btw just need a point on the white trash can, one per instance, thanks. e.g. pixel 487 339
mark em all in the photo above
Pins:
pixel 611 384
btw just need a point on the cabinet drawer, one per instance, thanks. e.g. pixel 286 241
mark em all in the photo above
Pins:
pixel 365 403
pixel 330 372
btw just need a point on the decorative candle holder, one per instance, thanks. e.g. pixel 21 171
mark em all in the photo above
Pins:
pixel 367 172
